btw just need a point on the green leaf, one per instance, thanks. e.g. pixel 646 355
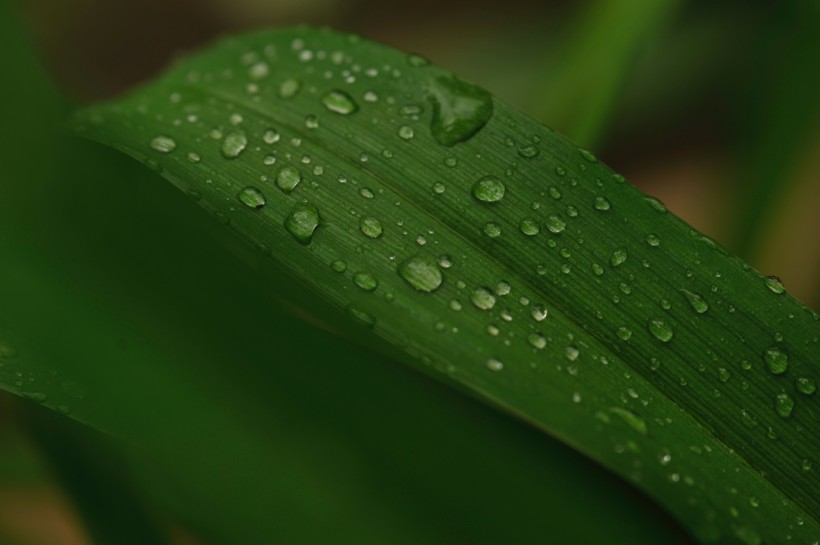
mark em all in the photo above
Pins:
pixel 566 294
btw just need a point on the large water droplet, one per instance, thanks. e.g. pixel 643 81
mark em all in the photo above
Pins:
pixel 660 329
pixel 697 301
pixel 492 229
pixel 421 272
pixel 775 284
pixel 365 281
pixel 618 257
pixel 539 313
pixel 271 136
pixel 529 227
pixel 288 178
pixel 483 298
pixel 489 189
pixel 339 102
pixel 555 224
pixel 251 197
pixel 163 144
pixel 601 204
pixel 460 110
pixel 234 144
pixel 302 222
pixel 784 403
pixel 370 227
pixel 777 360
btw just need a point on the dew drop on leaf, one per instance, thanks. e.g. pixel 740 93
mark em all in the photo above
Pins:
pixel 537 341
pixel 361 316
pixel 775 284
pixel 806 386
pixel 163 144
pixel 601 204
pixel 539 313
pixel 492 230
pixel 251 197
pixel 370 227
pixel 656 205
pixel 339 102
pixel 234 144
pixel 660 329
pixel 631 419
pixel 653 239
pixel 618 257
pixel 777 360
pixel 365 280
pixel 302 222
pixel 289 88
pixel 406 132
pixel 784 404
pixel 258 71
pixel 482 298
pixel 338 266
pixel 271 136
pixel 460 110
pixel 555 224
pixel 489 189
pixel 697 301
pixel 421 272
pixel 529 227
pixel 288 178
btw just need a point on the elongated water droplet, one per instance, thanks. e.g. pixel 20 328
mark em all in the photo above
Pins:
pixel 588 155
pixel 537 341
pixel 339 102
pixel 251 197
pixel 483 298
pixel 163 144
pixel 494 365
pixel 631 419
pixel 777 360
pixel 370 227
pixel 656 205
pixel 784 404
pixel 365 280
pixel 421 272
pixel 302 222
pixel 460 110
pixel 361 316
pixel 697 301
pixel 660 330
pixel 555 224
pixel 288 178
pixel 489 189
pixel 775 284
pixel 618 257
pixel 234 144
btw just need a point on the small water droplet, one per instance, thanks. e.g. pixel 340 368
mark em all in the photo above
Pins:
pixel 421 272
pixel 494 365
pixel 439 188
pixel 660 329
pixel 697 301
pixel 528 152
pixel 271 136
pixel 302 222
pixel 460 110
pixel 784 404
pixel 234 144
pixel 489 189
pixel 539 313
pixel 537 341
pixel 338 266
pixel 365 280
pixel 492 230
pixel 482 298
pixel 361 316
pixel 653 239
pixel 777 360
pixel 406 132
pixel 258 71
pixel 194 157
pixel 339 102
pixel 601 204
pixel 288 178
pixel 618 257
pixel 251 197
pixel 370 227
pixel 775 284
pixel 163 144
pixel 624 333
pixel 289 88
pixel 588 155
pixel 555 224
pixel 529 227
pixel 631 419
pixel 572 353
pixel 806 385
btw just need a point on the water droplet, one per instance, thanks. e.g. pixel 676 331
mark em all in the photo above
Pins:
pixel 460 110
pixel 482 298
pixel 601 204
pixel 258 71
pixel 271 136
pixel 631 419
pixel 537 341
pixel 653 239
pixel 439 188
pixel 539 313
pixel 660 330
pixel 805 385
pixel 554 192
pixel 597 269
pixel 777 360
pixel 302 222
pixel 588 155
pixel 572 353
pixel 492 230
pixel 361 316
pixel 697 301
pixel 806 465
pixel 338 266
pixel 370 227
pixel 555 224
pixel 339 102
pixel 624 333
pixel 656 205
pixel 234 144
pixel 529 227
pixel 163 144
pixel 365 280
pixel 494 365
pixel 289 88
pixel 528 152
pixel 618 257
pixel 421 272
pixel 406 132
pixel 775 284
pixel 251 197
pixel 784 403
pixel 489 189
pixel 311 122
pixel 288 178
pixel 194 157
